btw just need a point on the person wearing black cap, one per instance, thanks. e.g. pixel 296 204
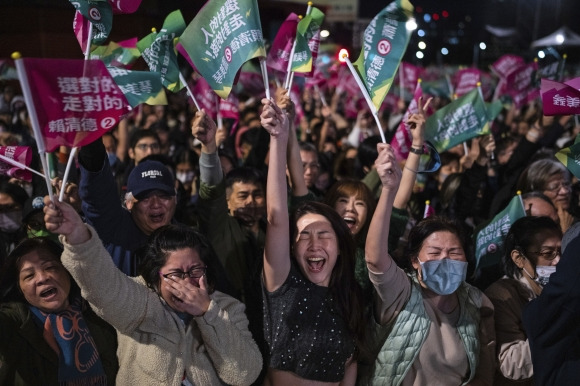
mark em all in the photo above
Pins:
pixel 150 203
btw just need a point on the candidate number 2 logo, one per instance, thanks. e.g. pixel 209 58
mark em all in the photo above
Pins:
pixel 383 47
pixel 228 54
pixel 108 122
pixel 94 14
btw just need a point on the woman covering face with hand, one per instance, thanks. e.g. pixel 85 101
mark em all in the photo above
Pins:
pixel 314 321
pixel 172 327
pixel 48 334
pixel 439 329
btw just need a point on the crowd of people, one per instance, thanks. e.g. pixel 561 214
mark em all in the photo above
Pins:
pixel 289 249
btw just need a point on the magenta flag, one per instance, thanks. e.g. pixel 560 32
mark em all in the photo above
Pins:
pixel 229 107
pixel 76 101
pixel 573 83
pixel 20 154
pixel 466 80
pixel 279 54
pixel 410 74
pixel 559 98
pixel 520 86
pixel 124 6
pixel 205 97
pixel 506 64
pixel 403 139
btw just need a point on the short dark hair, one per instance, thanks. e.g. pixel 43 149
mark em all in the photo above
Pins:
pixel 139 134
pixel 246 175
pixel 9 277
pixel 367 151
pixel 425 228
pixel 171 238
pixel 522 234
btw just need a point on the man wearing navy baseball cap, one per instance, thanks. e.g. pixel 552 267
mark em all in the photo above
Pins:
pixel 151 195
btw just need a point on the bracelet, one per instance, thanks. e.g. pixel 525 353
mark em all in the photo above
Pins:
pixel 411 170
pixel 416 150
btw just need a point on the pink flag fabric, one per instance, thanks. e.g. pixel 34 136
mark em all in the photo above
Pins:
pixel 229 107
pixel 559 98
pixel 124 6
pixel 429 210
pixel 279 54
pixel 403 139
pixel 410 74
pixel 506 64
pixel 466 80
pixel 205 97
pixel 76 101
pixel 520 84
pixel 20 154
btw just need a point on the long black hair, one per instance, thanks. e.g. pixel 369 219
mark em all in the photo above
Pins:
pixel 345 290
pixel 171 238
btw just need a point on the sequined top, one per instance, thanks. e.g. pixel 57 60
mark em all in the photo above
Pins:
pixel 304 332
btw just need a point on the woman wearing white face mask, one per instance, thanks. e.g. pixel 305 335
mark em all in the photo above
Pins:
pixel 12 199
pixel 532 250
pixel 436 328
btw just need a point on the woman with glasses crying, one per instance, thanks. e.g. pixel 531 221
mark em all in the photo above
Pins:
pixel 173 328
pixel 532 250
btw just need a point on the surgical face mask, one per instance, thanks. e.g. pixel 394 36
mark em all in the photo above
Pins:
pixel 185 177
pixel 112 158
pixel 443 276
pixel 543 272
pixel 11 221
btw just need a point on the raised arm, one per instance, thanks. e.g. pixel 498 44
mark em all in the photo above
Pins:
pixel 416 123
pixel 377 244
pixel 205 129
pixel 277 246
pixel 295 168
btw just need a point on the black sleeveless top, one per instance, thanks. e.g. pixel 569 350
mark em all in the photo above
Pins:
pixel 304 332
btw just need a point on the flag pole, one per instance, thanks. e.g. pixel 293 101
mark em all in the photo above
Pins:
pixel 519 193
pixel 322 98
pixel 89 40
pixel 33 119
pixel 19 165
pixel 343 56
pixel 289 72
pixel 220 120
pixel 189 92
pixel 265 76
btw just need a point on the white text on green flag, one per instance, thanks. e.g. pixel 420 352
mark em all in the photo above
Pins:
pixel 384 43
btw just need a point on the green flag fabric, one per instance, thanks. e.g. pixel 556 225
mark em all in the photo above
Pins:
pixel 462 119
pixel 384 44
pixel 307 40
pixel 490 238
pixel 139 86
pixel 221 38
pixel 158 50
pixel 117 55
pixel 570 157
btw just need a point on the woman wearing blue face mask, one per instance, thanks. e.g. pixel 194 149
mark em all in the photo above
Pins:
pixel 532 250
pixel 435 328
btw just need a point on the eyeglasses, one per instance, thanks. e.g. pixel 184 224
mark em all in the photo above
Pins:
pixel 549 254
pixel 194 273
pixel 145 146
pixel 555 187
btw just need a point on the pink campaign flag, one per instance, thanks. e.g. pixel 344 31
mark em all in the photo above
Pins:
pixel 410 73
pixel 279 53
pixel 506 64
pixel 520 84
pixel 205 97
pixel 124 6
pixel 229 107
pixel 22 155
pixel 76 101
pixel 559 98
pixel 573 83
pixel 429 210
pixel 466 80
pixel 403 139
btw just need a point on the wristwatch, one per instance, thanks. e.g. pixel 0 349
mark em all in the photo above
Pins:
pixel 416 151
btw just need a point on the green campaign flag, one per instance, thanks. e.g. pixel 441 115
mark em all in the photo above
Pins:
pixel 384 43
pixel 139 86
pixel 439 87
pixel 490 237
pixel 307 40
pixel 570 157
pixel 463 119
pixel 221 38
pixel 493 109
pixel 158 50
pixel 122 54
